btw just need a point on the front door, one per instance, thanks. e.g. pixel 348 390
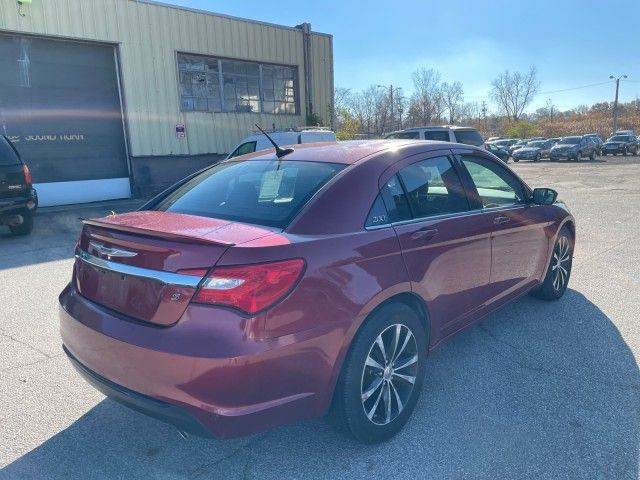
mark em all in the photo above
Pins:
pixel 519 242
pixel 446 247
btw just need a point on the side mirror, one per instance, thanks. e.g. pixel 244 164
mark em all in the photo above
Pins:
pixel 544 196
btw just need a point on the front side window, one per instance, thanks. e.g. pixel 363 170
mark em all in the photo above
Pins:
pixel 209 84
pixel 433 188
pixel 469 137
pixel 268 193
pixel 495 185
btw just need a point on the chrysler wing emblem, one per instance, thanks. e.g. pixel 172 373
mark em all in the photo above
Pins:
pixel 111 252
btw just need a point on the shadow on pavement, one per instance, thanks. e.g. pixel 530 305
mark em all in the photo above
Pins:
pixel 537 390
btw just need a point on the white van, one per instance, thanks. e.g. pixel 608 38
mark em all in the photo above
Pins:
pixel 288 137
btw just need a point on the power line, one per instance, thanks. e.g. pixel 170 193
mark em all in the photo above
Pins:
pixel 574 88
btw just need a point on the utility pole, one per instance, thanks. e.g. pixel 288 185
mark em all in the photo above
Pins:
pixel 484 114
pixel 390 88
pixel 615 102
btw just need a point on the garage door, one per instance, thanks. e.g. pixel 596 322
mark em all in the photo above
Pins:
pixel 60 105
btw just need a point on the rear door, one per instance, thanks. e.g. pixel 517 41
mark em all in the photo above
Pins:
pixel 12 182
pixel 519 243
pixel 446 247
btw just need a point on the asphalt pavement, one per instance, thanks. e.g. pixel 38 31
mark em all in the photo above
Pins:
pixel 537 390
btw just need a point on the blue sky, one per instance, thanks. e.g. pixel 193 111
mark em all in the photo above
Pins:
pixel 573 43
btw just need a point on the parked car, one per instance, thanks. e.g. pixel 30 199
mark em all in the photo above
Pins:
pixel 258 141
pixel 18 198
pixel 620 144
pixel 573 148
pixel 500 152
pixel 519 144
pixel 505 143
pixel 447 133
pixel 534 150
pixel 598 141
pixel 263 290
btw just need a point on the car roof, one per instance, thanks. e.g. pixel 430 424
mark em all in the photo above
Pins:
pixel 349 152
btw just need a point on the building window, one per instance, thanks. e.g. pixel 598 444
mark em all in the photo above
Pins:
pixel 210 84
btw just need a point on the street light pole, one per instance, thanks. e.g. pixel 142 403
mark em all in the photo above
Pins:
pixel 615 103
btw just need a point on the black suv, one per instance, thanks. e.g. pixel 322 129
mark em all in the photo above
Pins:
pixel 576 148
pixel 18 198
pixel 620 143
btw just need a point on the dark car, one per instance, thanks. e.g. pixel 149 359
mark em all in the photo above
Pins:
pixel 620 144
pixel 598 141
pixel 262 290
pixel 18 198
pixel 500 152
pixel 573 148
pixel 534 150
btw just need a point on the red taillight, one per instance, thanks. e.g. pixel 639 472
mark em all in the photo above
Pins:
pixel 27 175
pixel 250 288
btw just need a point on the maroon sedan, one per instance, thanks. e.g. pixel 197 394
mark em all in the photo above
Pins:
pixel 265 290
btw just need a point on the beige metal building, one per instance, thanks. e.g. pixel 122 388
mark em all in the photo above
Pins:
pixel 105 96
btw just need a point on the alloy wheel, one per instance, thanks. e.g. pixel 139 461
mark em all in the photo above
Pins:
pixel 389 374
pixel 561 263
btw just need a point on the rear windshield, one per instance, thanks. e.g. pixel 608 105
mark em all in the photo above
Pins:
pixel 7 153
pixel 440 135
pixel 619 138
pixel 569 141
pixel 469 137
pixel 403 136
pixel 260 192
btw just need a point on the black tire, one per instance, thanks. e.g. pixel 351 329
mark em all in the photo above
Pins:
pixel 515 159
pixel 348 408
pixel 25 228
pixel 551 288
pixel 579 157
pixel 624 152
pixel 592 157
pixel 537 159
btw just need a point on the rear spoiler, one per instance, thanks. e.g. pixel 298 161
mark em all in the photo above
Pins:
pixel 181 237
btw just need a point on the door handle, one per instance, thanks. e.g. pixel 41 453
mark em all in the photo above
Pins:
pixel 424 234
pixel 501 220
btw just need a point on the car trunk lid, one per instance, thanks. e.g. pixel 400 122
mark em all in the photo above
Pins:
pixel 141 264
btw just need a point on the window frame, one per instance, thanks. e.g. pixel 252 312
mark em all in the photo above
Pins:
pixel 394 171
pixel 220 85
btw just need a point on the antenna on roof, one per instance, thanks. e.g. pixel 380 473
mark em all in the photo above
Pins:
pixel 280 152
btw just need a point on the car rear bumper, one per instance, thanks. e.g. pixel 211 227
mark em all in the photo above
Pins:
pixel 14 205
pixel 208 374
pixel 179 417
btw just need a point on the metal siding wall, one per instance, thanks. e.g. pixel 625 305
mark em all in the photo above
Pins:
pixel 149 36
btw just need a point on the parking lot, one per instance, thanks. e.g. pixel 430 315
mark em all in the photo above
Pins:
pixel 537 390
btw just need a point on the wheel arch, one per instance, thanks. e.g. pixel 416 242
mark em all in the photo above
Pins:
pixel 408 298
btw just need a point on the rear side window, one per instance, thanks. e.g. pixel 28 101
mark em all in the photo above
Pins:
pixel 433 188
pixel 247 147
pixel 260 192
pixel 439 135
pixel 469 137
pixel 404 136
pixel 8 156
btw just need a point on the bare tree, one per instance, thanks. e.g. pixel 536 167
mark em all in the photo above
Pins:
pixel 514 91
pixel 340 105
pixel 426 104
pixel 452 95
